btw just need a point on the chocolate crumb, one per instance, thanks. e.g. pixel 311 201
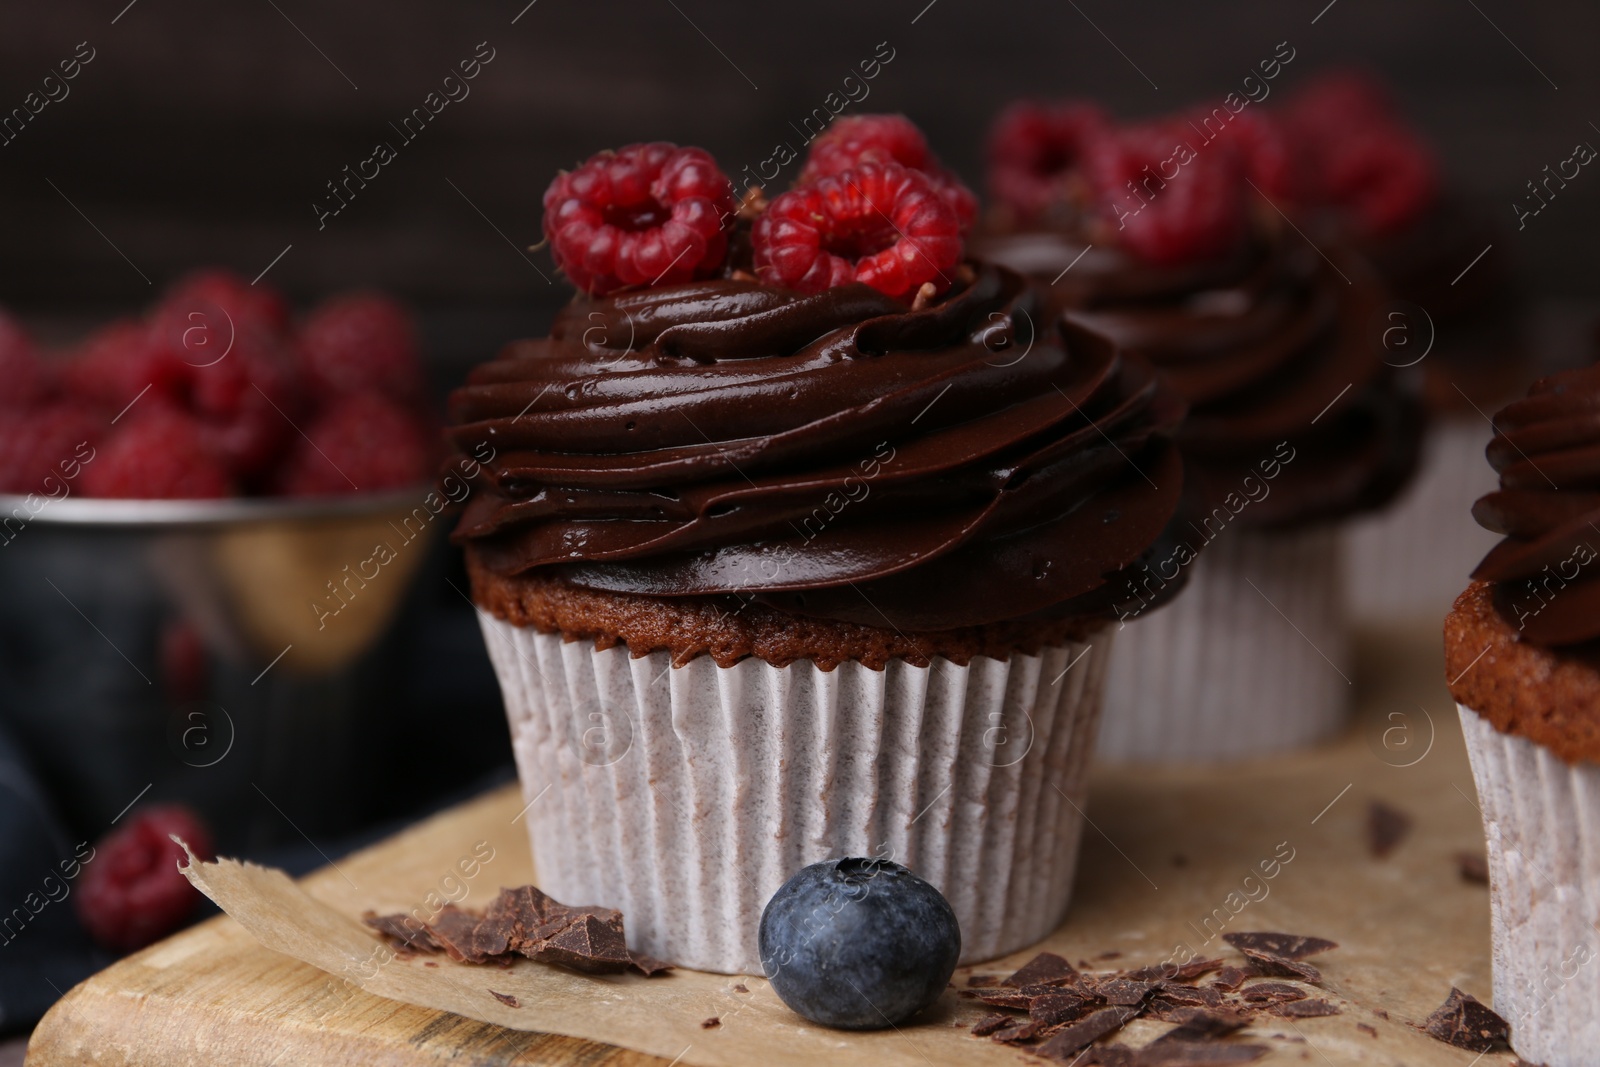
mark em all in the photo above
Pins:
pixel 1380 1013
pixel 741 988
pixel 1282 946
pixel 990 1023
pixel 1386 827
pixel 1474 867
pixel 1370 1031
pixel 711 1023
pixel 429 963
pixel 1110 954
pixel 1044 969
pixel 1304 1009
pixel 1465 1022
pixel 506 998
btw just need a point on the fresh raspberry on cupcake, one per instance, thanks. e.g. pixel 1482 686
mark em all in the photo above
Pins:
pixel 856 139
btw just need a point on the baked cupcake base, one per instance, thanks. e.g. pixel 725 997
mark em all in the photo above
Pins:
pixel 685 794
pixel 1251 659
pixel 1529 717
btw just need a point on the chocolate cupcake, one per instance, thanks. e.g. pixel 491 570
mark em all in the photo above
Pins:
pixel 1153 236
pixel 1522 650
pixel 1368 180
pixel 809 552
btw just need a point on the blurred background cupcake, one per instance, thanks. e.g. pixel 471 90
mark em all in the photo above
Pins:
pixel 1522 651
pixel 1167 236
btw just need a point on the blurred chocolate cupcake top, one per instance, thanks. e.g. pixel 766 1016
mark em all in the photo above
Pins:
pixel 830 412
pixel 1546 572
pixel 1153 235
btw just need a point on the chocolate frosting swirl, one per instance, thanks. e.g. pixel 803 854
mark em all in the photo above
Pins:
pixel 1272 345
pixel 1547 449
pixel 836 455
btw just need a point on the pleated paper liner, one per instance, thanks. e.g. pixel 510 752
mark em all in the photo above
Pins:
pixel 686 796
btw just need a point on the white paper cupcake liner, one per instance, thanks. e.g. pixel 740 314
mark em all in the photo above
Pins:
pixel 1406 564
pixel 1251 658
pixel 684 797
pixel 1541 816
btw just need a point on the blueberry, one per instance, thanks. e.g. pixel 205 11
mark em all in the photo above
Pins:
pixel 858 944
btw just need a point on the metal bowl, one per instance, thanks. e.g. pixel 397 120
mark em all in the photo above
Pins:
pixel 206 651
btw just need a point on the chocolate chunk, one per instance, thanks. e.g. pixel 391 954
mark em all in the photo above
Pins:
pixel 590 943
pixel 1229 978
pixel 1203 1024
pixel 1474 867
pixel 711 1023
pixel 1173 972
pixel 465 936
pixel 1054 1009
pixel 1465 1022
pixel 1386 828
pixel 1370 1031
pixel 1197 1054
pixel 1282 946
pixel 402 931
pixel 990 1023
pixel 1019 1032
pixel 1109 1056
pixel 1269 992
pixel 1123 991
pixel 1044 969
pixel 1066 1043
pixel 1000 998
pixel 506 998
pixel 649 966
pixel 1303 1009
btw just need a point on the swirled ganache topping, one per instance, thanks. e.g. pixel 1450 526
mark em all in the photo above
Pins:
pixel 1273 347
pixel 840 454
pixel 1546 572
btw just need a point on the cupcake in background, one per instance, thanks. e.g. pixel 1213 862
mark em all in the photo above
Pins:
pixel 1367 179
pixel 1154 235
pixel 1522 653
pixel 799 541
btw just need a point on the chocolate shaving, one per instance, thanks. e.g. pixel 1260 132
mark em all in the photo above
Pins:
pixel 990 1023
pixel 1229 978
pixel 1055 1009
pixel 1019 1032
pixel 1000 998
pixel 1109 1056
pixel 1123 991
pixel 1044 969
pixel 1474 867
pixel 1386 828
pixel 522 921
pixel 1265 992
pixel 1265 965
pixel 1173 972
pixel 1072 1039
pixel 1201 1024
pixel 1463 1021
pixel 1280 946
pixel 1196 1054
pixel 711 1023
pixel 1370 1031
pixel 1303 1009
pixel 506 998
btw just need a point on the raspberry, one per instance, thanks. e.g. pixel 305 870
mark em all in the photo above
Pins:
pixel 880 224
pixel 157 453
pixel 1358 155
pixel 647 214
pixel 131 892
pixel 360 342
pixel 1171 202
pixel 856 139
pixel 1263 145
pixel 249 308
pixel 119 361
pixel 365 439
pixel 1035 149
pixel 23 381
pixel 54 440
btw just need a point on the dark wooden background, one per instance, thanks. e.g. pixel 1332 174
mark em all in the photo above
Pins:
pixel 202 132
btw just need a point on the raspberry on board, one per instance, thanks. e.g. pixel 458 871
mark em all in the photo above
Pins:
pixel 1034 151
pixel 1168 198
pixel 852 140
pixel 646 214
pixel 131 892
pixel 881 224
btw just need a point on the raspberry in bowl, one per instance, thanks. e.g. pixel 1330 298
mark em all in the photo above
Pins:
pixel 801 542
pixel 1160 235
pixel 192 499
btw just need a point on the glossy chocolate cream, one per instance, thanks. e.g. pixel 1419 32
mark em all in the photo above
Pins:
pixel 839 455
pixel 1546 573
pixel 1294 415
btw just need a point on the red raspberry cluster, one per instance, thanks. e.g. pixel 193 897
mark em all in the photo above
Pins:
pixel 217 392
pixel 872 205
pixel 131 892
pixel 1178 189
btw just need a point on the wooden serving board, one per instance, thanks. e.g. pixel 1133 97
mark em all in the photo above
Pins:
pixel 1165 850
